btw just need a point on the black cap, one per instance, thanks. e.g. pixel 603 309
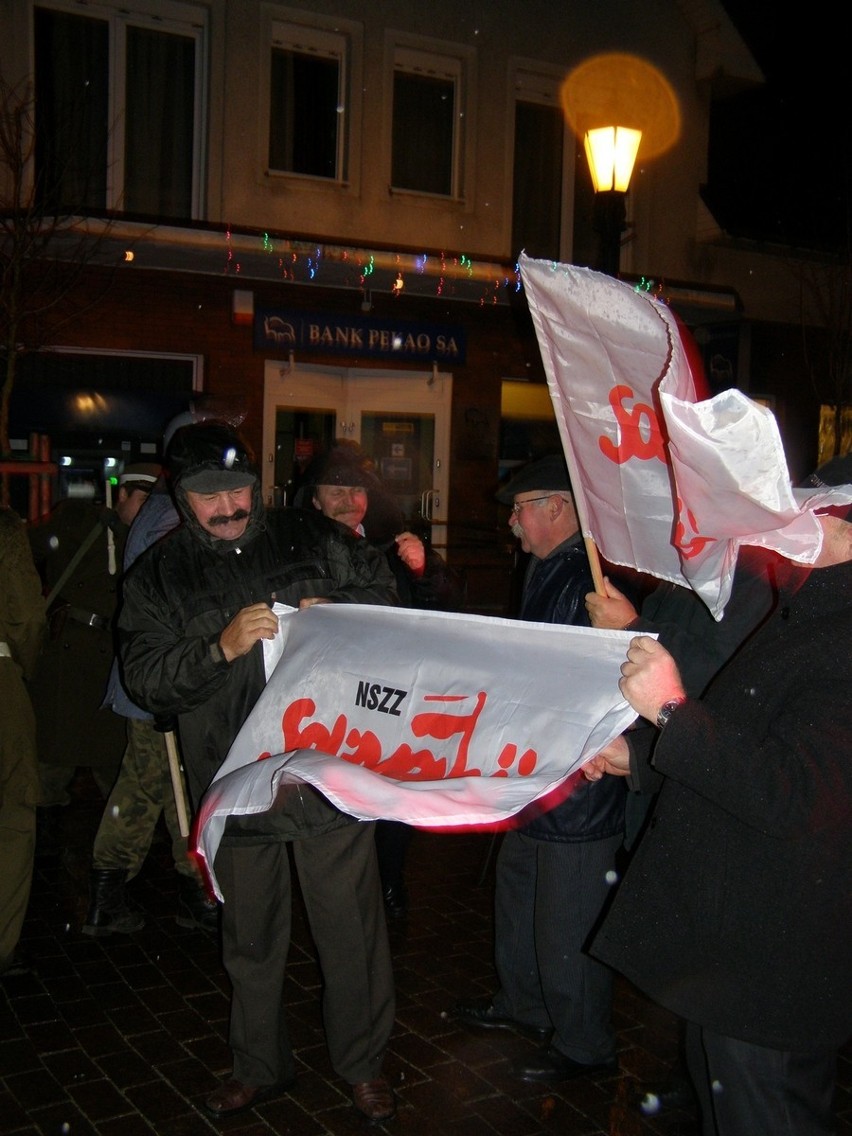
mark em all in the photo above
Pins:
pixel 209 457
pixel 545 474
pixel 139 475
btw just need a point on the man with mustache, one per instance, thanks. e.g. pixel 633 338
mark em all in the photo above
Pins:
pixel 197 606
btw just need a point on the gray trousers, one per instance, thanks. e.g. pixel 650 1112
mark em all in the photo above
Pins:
pixel 339 880
pixel 548 898
pixel 751 1090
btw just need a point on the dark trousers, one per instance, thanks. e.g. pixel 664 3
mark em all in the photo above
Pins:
pixel 751 1090
pixel 549 895
pixel 340 886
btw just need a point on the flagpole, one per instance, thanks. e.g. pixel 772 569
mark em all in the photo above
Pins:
pixel 595 565
pixel 592 553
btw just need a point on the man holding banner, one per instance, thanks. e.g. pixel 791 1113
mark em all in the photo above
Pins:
pixel 735 910
pixel 554 872
pixel 197 608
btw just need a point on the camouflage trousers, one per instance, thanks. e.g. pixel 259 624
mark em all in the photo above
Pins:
pixel 142 790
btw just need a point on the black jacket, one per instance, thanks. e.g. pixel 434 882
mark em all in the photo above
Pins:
pixel 182 592
pixel 555 590
pixel 736 908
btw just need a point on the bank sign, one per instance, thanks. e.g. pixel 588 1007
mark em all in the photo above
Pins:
pixel 285 330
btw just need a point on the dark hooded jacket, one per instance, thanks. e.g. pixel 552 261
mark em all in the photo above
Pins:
pixel 182 592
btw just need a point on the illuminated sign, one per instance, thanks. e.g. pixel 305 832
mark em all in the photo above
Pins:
pixel 278 331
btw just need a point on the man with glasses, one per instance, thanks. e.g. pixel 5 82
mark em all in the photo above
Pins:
pixel 553 872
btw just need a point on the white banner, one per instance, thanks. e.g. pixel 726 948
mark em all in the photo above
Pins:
pixel 664 484
pixel 437 719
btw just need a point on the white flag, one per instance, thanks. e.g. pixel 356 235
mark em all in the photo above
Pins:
pixel 664 483
pixel 437 719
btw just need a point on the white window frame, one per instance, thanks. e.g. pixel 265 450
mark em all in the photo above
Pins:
pixel 440 64
pixel 183 19
pixel 528 83
pixel 332 39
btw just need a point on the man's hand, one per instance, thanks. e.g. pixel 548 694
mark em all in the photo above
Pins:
pixel 613 611
pixel 312 601
pixel 650 677
pixel 411 552
pixel 614 758
pixel 258 621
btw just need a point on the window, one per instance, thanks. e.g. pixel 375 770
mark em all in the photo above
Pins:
pixel 119 109
pixel 307 120
pixel 538 198
pixel 426 137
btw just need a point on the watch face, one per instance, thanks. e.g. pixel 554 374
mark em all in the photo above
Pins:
pixel 666 710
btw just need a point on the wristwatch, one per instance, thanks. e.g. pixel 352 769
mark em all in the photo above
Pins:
pixel 666 710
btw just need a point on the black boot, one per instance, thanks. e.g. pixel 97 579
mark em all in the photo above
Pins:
pixel 196 910
pixel 109 910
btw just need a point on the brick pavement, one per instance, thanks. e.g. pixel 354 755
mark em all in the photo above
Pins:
pixel 126 1036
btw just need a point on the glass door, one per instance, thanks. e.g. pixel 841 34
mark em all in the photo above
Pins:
pixel 401 419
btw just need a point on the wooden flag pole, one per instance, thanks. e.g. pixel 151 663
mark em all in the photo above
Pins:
pixel 177 782
pixel 595 565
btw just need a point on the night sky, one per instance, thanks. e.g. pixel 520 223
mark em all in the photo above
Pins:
pixel 781 156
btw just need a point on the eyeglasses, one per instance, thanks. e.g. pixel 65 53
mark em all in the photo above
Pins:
pixel 516 508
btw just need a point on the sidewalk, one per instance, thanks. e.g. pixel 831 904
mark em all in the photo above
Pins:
pixel 125 1036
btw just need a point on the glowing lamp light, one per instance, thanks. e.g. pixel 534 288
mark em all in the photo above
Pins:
pixel 611 153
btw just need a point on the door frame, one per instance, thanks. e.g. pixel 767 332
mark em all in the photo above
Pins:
pixel 349 391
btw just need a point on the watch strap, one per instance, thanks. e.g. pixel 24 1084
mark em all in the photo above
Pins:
pixel 666 710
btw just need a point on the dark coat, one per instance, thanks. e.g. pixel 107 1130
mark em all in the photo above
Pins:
pixel 71 679
pixel 735 912
pixel 182 592
pixel 555 590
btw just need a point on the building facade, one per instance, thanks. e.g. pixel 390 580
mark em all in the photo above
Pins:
pixel 309 215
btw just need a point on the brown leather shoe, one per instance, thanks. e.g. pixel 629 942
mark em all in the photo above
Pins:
pixel 233 1096
pixel 374 1099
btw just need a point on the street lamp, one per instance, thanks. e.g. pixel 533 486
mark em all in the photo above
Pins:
pixel 611 152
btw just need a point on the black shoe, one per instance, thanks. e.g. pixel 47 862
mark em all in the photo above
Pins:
pixel 110 912
pixel 196 910
pixel 483 1015
pixel 396 900
pixel 550 1065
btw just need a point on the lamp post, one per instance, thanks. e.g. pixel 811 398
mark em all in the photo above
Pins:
pixel 611 152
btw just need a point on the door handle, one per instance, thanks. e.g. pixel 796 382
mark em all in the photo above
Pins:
pixel 429 502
